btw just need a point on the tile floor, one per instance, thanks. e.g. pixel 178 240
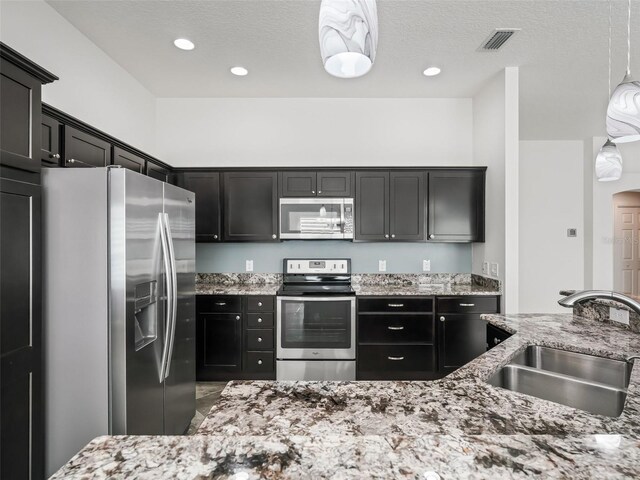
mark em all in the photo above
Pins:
pixel 207 393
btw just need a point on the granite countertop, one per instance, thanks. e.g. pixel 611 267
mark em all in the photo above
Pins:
pixel 426 289
pixel 223 289
pixel 458 426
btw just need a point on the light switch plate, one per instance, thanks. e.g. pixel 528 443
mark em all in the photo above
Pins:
pixel 382 265
pixel 619 315
pixel 494 270
pixel 485 268
pixel 249 266
pixel 426 265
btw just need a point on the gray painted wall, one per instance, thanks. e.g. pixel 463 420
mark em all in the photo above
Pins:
pixel 400 257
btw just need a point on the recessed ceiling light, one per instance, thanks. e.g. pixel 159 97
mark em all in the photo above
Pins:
pixel 431 72
pixel 239 71
pixel 184 44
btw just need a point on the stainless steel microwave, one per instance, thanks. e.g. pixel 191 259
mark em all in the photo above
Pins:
pixel 316 218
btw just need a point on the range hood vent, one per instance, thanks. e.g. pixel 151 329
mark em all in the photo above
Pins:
pixel 497 39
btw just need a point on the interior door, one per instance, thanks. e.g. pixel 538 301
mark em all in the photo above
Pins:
pixel 180 384
pixel 627 250
pixel 138 303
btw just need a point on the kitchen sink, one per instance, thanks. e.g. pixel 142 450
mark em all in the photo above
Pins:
pixel 594 384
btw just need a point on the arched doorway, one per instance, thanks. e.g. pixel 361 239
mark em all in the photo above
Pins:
pixel 626 244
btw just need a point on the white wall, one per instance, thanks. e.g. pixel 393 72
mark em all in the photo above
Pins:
pixel 92 87
pixel 551 201
pixel 201 132
pixel 603 228
pixel 495 144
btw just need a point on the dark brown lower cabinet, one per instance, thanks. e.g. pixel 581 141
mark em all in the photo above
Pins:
pixel 235 338
pixel 21 384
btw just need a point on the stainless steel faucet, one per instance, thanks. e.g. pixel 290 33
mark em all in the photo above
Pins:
pixel 585 295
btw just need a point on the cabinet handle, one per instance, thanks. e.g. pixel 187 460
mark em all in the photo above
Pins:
pixel 442 319
pixel 386 235
pixel 393 235
pixel 274 236
pixel 432 236
pixel 313 191
pixel 395 328
pixel 396 305
pixel 319 191
pixel 71 160
pixel 259 320
pixel 395 358
pixel 215 237
pixel 259 362
pixel 496 341
pixel 237 317
pixel 259 339
pixel 221 304
pixel 467 304
pixel 55 155
pixel 259 304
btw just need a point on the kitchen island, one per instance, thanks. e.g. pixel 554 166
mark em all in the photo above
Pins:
pixel 458 426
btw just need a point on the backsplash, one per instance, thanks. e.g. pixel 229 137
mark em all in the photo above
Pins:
pixel 400 257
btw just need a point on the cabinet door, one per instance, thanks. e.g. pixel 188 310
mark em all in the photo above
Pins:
pixel 21 408
pixel 372 205
pixel 463 337
pixel 19 118
pixel 456 206
pixel 157 172
pixel 50 144
pixel 335 184
pixel 84 150
pixel 406 205
pixel 128 160
pixel 206 186
pixel 298 184
pixel 250 206
pixel 218 345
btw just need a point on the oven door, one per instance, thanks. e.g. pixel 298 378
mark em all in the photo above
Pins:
pixel 311 218
pixel 316 328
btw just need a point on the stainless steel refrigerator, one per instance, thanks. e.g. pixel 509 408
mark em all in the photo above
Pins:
pixel 119 307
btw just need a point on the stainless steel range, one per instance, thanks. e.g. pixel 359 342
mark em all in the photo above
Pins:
pixel 316 321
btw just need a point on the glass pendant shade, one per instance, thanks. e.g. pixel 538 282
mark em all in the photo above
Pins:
pixel 623 112
pixel 348 32
pixel 608 163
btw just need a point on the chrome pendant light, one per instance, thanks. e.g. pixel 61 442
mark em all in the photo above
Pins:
pixel 348 32
pixel 623 113
pixel 609 160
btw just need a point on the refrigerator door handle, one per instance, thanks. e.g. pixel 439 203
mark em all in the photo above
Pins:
pixel 174 293
pixel 168 294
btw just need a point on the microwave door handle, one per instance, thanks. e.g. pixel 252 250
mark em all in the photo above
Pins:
pixel 342 216
pixel 168 294
pixel 174 294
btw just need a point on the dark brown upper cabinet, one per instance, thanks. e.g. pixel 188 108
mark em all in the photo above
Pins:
pixel 456 205
pixel 50 132
pixel 20 89
pixel 128 160
pixel 250 206
pixel 206 186
pixel 390 205
pixel 158 172
pixel 316 184
pixel 83 150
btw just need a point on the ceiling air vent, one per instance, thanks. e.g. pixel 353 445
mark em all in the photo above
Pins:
pixel 497 39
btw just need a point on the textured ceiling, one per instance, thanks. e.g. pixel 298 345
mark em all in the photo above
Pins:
pixel 562 51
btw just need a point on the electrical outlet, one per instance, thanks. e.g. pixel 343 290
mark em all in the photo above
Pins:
pixel 382 265
pixel 494 270
pixel 426 265
pixel 249 266
pixel 619 315
pixel 485 268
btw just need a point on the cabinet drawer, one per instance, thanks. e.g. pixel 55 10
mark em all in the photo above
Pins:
pixel 471 304
pixel 261 339
pixel 219 303
pixel 259 362
pixel 395 304
pixel 260 303
pixel 389 328
pixel 260 320
pixel 395 361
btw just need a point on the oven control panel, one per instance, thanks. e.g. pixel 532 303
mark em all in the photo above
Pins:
pixel 306 266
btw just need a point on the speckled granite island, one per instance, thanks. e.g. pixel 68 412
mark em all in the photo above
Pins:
pixel 457 427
